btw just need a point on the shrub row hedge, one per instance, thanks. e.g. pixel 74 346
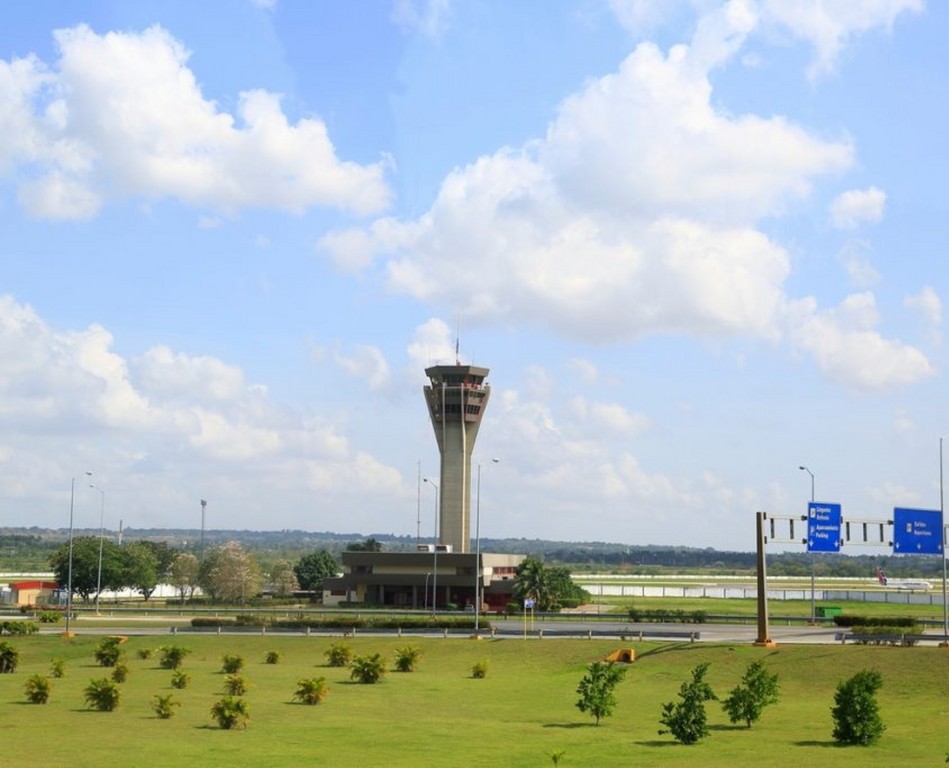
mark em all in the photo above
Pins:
pixel 874 621
pixel 339 622
pixel 884 635
pixel 661 615
pixel 18 628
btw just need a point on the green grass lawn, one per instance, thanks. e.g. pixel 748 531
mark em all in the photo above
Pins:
pixel 439 716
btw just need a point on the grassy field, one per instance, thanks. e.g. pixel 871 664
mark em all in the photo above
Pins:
pixel 440 716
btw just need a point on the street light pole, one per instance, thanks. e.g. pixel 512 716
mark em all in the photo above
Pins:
pixel 72 505
pixel 101 533
pixel 945 528
pixel 435 565
pixel 479 571
pixel 813 605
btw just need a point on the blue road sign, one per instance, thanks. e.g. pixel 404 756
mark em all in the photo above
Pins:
pixel 823 527
pixel 917 531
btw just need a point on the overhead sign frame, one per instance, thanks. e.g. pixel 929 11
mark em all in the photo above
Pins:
pixel 917 531
pixel 824 522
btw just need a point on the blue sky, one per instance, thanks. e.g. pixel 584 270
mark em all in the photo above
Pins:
pixel 698 244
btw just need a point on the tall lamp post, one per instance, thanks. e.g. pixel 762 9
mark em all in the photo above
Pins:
pixel 813 606
pixel 945 528
pixel 435 565
pixel 72 506
pixel 479 571
pixel 101 534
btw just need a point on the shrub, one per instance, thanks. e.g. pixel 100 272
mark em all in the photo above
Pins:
pixel 9 658
pixel 312 690
pixel 406 659
pixel 758 689
pixel 38 689
pixel 856 712
pixel 231 713
pixel 164 706
pixel 180 679
pixel 120 672
pixel 108 652
pixel 339 655
pixel 102 695
pixel 596 689
pixel 172 656
pixel 49 617
pixel 19 628
pixel 145 653
pixel 272 657
pixel 57 668
pixel 235 685
pixel 231 663
pixel 686 719
pixel 368 669
pixel 479 670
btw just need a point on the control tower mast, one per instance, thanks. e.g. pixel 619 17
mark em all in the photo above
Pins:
pixel 456 399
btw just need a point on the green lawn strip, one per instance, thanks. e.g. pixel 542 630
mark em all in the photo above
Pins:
pixel 439 716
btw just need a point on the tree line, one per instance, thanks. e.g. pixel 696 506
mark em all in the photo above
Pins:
pixel 225 573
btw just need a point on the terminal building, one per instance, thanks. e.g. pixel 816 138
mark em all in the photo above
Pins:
pixel 450 572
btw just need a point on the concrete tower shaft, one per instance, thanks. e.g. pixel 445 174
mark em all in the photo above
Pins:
pixel 456 399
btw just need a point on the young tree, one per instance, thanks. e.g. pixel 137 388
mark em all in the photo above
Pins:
pixel 85 565
pixel 596 689
pixel 233 574
pixel 283 578
pixel 311 569
pixel 183 574
pixel 747 701
pixel 141 568
pixel 686 719
pixel 856 712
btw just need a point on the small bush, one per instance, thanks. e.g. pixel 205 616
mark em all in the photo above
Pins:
pixel 231 663
pixel 102 695
pixel 120 672
pixel 49 617
pixel 9 658
pixel 368 669
pixel 145 653
pixel 57 668
pixel 479 670
pixel 272 657
pixel 235 685
pixel 406 659
pixel 172 656
pixel 38 689
pixel 339 655
pixel 231 713
pixel 855 712
pixel 108 652
pixel 180 679
pixel 312 690
pixel 164 706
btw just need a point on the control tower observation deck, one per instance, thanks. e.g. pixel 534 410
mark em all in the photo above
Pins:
pixel 456 399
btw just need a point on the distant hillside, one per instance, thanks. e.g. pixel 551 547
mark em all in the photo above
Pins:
pixel 28 548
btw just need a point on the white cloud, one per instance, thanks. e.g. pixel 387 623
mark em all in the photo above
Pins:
pixel 861 271
pixel 928 304
pixel 848 349
pixel 94 138
pixel 432 344
pixel 639 16
pixel 368 364
pixel 430 18
pixel 829 25
pixel 858 206
pixel 634 215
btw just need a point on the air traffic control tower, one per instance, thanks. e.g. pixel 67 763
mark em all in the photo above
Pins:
pixel 456 399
